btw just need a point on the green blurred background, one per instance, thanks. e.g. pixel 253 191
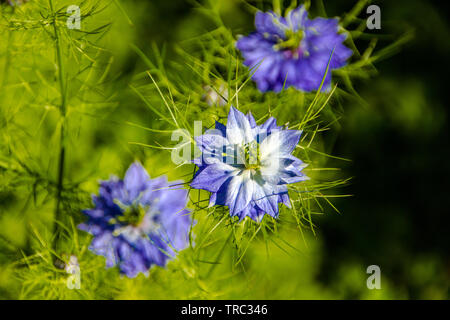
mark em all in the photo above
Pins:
pixel 397 140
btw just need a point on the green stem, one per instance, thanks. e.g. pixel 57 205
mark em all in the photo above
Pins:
pixel 7 60
pixel 276 7
pixel 62 150
pixel 219 254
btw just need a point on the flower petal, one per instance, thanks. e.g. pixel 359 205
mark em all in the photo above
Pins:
pixel 213 176
pixel 270 23
pixel 266 199
pixel 240 192
pixel 297 18
pixel 239 130
pixel 279 143
pixel 135 180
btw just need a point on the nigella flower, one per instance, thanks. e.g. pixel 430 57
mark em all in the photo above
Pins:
pixel 138 222
pixel 293 49
pixel 247 167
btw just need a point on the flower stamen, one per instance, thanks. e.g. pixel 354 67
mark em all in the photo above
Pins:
pixel 132 214
pixel 292 43
pixel 252 157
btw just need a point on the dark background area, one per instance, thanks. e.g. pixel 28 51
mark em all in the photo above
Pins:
pixel 399 218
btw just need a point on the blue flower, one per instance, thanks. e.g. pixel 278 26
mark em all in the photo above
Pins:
pixel 247 166
pixel 294 49
pixel 138 222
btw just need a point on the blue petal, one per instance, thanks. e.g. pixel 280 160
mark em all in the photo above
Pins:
pixel 270 124
pixel 297 18
pixel 266 199
pixel 239 130
pixel 239 193
pixel 212 145
pixel 213 176
pixel 221 128
pixel 279 143
pixel 270 23
pixel 251 119
pixel 135 180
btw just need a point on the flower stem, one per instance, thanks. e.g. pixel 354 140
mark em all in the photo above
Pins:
pixel 219 254
pixel 276 7
pixel 7 60
pixel 62 151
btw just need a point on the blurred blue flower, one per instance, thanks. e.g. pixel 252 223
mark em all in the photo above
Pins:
pixel 294 49
pixel 138 222
pixel 247 166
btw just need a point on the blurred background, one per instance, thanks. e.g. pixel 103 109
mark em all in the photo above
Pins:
pixel 397 140
pixel 398 145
